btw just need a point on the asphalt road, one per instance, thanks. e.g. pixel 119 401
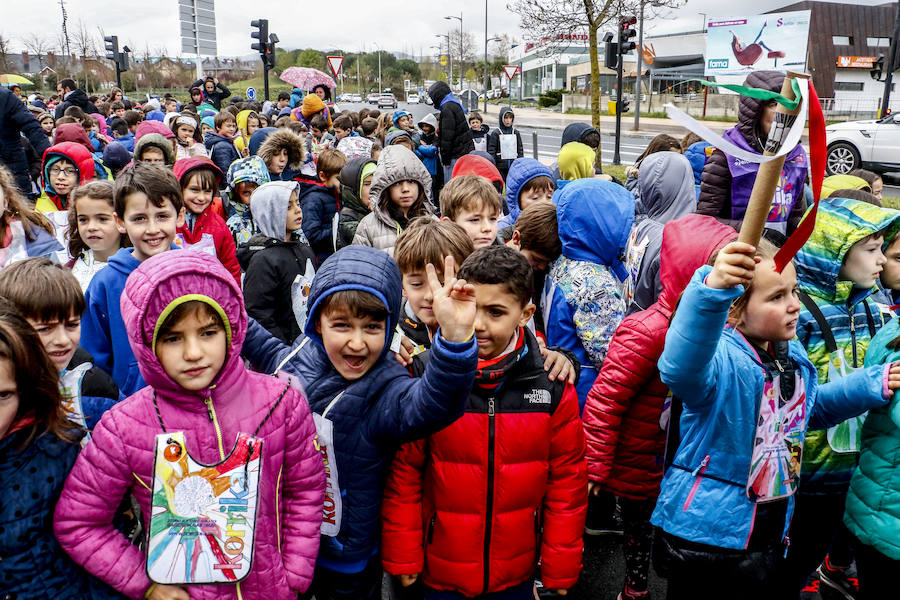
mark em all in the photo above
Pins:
pixel 548 140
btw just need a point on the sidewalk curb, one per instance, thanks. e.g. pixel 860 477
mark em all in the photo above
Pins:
pixel 643 133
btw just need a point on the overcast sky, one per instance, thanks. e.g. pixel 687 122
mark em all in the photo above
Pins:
pixel 397 25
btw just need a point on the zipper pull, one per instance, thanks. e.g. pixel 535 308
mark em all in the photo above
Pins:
pixel 702 467
pixel 852 323
pixel 490 407
pixel 209 410
pixel 778 366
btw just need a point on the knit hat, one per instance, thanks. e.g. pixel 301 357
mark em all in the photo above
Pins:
pixel 311 105
pixel 393 136
pixel 210 121
pixel 398 114
pixel 576 161
pixel 116 156
pixel 146 127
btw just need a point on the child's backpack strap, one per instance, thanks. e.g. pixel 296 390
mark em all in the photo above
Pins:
pixel 870 321
pixel 816 312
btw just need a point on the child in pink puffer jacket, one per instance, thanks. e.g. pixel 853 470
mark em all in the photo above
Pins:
pixel 222 461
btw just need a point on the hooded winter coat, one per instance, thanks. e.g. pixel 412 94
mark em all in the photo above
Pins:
pixel 272 264
pixel 154 140
pixel 275 140
pixel 873 502
pixel 219 93
pixel 493 146
pixel 428 150
pixel 208 221
pixel 843 182
pixel 381 227
pixel 666 186
pixel 102 329
pixel 454 133
pixel 850 315
pixel 78 98
pixel 720 379
pixel 73 132
pixel 309 108
pixel 120 457
pixel 582 299
pixel 221 150
pixel 76 154
pixel 16 121
pixel 237 214
pixel 242 138
pixel 716 181
pixel 623 415
pixel 574 132
pixel 472 164
pixel 377 412
pixel 520 173
pixel 475 505
pixel 353 209
pixel 320 205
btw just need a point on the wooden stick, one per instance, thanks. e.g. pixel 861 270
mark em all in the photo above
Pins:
pixel 760 204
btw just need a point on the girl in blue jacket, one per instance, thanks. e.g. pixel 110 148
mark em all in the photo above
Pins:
pixel 748 392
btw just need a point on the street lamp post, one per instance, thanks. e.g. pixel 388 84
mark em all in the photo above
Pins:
pixel 460 48
pixel 493 39
pixel 380 89
pixel 449 57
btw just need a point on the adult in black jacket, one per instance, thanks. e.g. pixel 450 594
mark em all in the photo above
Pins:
pixel 73 96
pixel 454 134
pixel 213 91
pixel 15 121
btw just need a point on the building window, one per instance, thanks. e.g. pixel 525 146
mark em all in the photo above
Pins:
pixel 848 86
pixel 842 40
pixel 878 42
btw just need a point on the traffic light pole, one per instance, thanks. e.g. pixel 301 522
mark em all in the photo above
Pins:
pixel 266 77
pixel 616 158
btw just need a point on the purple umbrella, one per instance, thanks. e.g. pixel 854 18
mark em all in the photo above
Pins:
pixel 306 78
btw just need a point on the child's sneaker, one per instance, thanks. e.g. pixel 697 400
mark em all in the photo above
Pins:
pixel 837 579
pixel 603 518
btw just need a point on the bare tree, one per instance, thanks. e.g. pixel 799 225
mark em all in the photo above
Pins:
pixel 4 53
pixel 549 21
pixel 38 46
pixel 463 49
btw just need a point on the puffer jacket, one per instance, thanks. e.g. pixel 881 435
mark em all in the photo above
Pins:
pixel 715 181
pixel 221 150
pixel 76 154
pixel 666 190
pixel 873 502
pixel 381 227
pixel 120 457
pixel 454 133
pixel 623 415
pixel 520 173
pixel 719 377
pixel 320 204
pixel 840 223
pixel 78 98
pixel 376 413
pixel 524 461
pixel 32 564
pixel 208 221
pixel 353 209
pixel 582 298
pixel 16 121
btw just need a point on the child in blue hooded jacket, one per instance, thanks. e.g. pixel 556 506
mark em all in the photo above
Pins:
pixel 527 182
pixel 747 393
pixel 582 301
pixel 365 403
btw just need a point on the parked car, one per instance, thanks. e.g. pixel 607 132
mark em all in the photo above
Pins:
pixel 870 144
pixel 372 99
pixel 387 100
pixel 412 97
pixel 355 98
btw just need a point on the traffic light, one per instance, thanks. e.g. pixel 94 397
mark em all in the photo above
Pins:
pixel 262 34
pixel 626 32
pixel 112 47
pixel 625 104
pixel 877 68
pixel 612 55
pixel 270 51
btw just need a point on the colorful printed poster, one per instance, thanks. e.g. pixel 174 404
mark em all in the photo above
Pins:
pixel 778 443
pixel 773 41
pixel 202 518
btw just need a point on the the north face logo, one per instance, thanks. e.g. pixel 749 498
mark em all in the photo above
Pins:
pixel 538 397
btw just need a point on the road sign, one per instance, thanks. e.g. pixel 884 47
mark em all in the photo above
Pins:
pixel 251 94
pixel 510 71
pixel 335 63
pixel 444 60
pixel 197 19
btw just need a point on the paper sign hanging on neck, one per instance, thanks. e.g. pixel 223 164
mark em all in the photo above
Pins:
pixel 202 517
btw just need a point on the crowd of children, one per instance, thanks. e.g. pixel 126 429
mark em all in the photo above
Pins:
pixel 255 351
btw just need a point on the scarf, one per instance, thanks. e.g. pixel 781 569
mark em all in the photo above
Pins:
pixel 491 372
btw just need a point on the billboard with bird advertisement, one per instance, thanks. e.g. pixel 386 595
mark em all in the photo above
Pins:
pixel 776 41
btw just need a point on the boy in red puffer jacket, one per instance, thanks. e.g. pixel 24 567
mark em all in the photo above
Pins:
pixel 472 508
pixel 623 416
pixel 200 178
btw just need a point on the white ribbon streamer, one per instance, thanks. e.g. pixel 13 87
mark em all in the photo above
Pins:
pixel 790 141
